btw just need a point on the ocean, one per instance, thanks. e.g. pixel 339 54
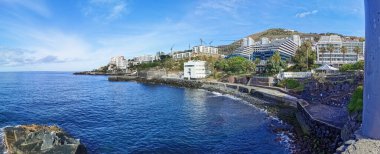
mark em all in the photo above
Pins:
pixel 131 117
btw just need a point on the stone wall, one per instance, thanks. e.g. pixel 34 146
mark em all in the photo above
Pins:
pixel 261 81
pixel 325 137
pixel 151 74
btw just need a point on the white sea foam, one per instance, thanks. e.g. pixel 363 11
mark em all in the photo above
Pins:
pixel 217 94
pixel 2 140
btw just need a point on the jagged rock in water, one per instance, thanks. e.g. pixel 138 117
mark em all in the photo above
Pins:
pixel 40 139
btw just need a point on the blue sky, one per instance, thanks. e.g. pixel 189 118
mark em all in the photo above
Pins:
pixel 72 35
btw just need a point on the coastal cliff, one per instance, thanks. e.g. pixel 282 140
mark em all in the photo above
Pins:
pixel 40 139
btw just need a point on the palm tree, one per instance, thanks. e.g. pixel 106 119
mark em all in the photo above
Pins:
pixel 357 50
pixel 330 48
pixel 343 49
pixel 323 51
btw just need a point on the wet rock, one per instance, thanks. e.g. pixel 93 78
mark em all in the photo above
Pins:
pixel 40 139
pixel 364 146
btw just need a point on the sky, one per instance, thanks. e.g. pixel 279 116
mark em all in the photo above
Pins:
pixel 72 35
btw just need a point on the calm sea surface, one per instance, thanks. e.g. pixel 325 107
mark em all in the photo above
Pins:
pixel 129 117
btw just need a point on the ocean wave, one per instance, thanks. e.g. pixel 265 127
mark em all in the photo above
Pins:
pixel 2 147
pixel 217 93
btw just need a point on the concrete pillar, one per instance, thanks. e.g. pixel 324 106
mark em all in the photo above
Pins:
pixel 371 96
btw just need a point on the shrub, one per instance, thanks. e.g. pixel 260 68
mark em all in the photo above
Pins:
pixel 350 67
pixel 291 84
pixel 356 102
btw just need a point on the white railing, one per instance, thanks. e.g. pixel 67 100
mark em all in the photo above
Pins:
pixel 286 75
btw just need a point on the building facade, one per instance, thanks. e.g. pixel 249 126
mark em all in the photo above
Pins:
pixel 286 47
pixel 208 50
pixel 296 39
pixel 119 61
pixel 195 70
pixel 248 41
pixel 146 58
pixel 336 57
pixel 182 55
pixel 197 50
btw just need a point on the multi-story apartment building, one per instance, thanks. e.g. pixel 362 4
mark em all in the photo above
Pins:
pixel 296 39
pixel 208 50
pixel 146 58
pixel 197 50
pixel 120 62
pixel 286 47
pixel 329 50
pixel 187 54
pixel 266 48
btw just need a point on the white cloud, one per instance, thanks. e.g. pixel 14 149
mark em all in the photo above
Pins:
pixel 307 13
pixel 227 6
pixel 36 6
pixel 109 10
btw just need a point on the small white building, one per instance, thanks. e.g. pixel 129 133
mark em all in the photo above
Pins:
pixel 195 70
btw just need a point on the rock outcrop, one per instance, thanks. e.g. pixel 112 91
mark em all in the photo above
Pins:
pixel 40 139
pixel 362 146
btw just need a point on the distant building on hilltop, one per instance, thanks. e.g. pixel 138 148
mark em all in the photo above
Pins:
pixel 195 70
pixel 178 55
pixel 265 40
pixel 146 58
pixel 196 51
pixel 248 41
pixel 208 50
pixel 336 57
pixel 296 39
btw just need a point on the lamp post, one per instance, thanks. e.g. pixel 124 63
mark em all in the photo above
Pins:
pixel 371 95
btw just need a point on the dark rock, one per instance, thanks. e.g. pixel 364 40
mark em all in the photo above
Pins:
pixel 40 139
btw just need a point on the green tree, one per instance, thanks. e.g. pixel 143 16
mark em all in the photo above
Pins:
pixel 222 64
pixel 357 50
pixel 235 65
pixel 275 64
pixel 343 49
pixel 257 61
pixel 168 64
pixel 356 102
pixel 302 58
pixel 330 48
pixel 248 66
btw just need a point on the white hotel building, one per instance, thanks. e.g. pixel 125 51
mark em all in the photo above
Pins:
pixel 337 57
pixel 119 61
pixel 195 70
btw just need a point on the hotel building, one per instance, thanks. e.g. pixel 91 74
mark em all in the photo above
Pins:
pixel 119 61
pixel 336 57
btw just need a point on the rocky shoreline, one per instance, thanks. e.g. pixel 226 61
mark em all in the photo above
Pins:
pixel 27 139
